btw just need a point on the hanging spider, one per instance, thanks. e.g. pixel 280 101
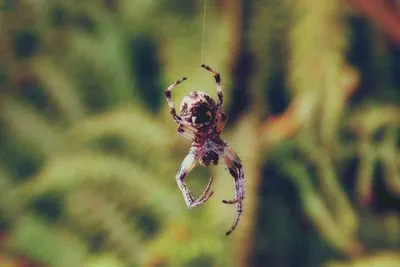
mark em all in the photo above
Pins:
pixel 202 121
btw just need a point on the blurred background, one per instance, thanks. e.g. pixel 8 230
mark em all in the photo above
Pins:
pixel 89 152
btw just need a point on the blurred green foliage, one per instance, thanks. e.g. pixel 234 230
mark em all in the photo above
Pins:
pixel 89 153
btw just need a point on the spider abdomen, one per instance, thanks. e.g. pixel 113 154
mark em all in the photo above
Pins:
pixel 198 109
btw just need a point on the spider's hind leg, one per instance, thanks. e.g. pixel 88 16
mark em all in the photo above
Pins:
pixel 235 168
pixel 234 165
pixel 187 165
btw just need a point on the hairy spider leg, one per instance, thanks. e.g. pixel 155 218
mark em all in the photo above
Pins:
pixel 234 165
pixel 186 131
pixel 188 164
pixel 184 128
pixel 220 118
pixel 168 95
pixel 221 122
pixel 217 78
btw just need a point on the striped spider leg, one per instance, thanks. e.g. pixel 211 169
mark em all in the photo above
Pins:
pixel 187 165
pixel 235 168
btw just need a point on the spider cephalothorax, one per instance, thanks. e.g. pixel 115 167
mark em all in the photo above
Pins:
pixel 202 120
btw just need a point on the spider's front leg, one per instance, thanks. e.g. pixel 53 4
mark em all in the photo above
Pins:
pixel 184 128
pixel 217 78
pixel 234 165
pixel 187 165
pixel 221 122
pixel 221 118
pixel 168 95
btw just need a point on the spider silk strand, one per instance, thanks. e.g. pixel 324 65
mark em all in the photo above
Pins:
pixel 204 31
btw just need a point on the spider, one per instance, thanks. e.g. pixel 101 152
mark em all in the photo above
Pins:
pixel 202 121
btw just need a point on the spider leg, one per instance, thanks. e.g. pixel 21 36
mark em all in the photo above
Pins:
pixel 168 93
pixel 234 165
pixel 186 131
pixel 217 78
pixel 187 165
pixel 221 122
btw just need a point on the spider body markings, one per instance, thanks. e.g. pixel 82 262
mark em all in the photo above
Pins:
pixel 202 120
